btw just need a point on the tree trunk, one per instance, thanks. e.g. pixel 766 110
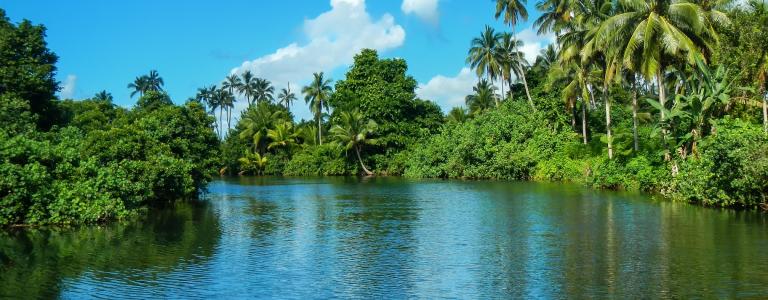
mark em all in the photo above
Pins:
pixel 634 117
pixel 584 120
pixel 765 112
pixel 525 85
pixel 357 151
pixel 574 113
pixel 221 122
pixel 608 120
pixel 502 91
pixel 662 101
pixel 319 130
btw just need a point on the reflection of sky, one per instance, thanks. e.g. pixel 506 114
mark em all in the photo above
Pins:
pixel 324 238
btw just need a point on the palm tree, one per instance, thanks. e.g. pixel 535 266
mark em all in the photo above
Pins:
pixel 247 87
pixel 353 132
pixel 512 60
pixel 286 97
pixel 232 83
pixel 225 101
pixel 651 35
pixel 514 12
pixel 282 136
pixel 483 54
pixel 140 85
pixel 554 15
pixel 316 94
pixel 483 98
pixel 154 81
pixel 547 57
pixel 252 162
pixel 257 121
pixel 263 90
pixel 457 115
pixel 103 96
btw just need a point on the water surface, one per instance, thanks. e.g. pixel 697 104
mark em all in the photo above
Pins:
pixel 397 238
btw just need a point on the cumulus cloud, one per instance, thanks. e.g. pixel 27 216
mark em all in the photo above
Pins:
pixel 68 87
pixel 448 92
pixel 533 43
pixel 333 38
pixel 424 9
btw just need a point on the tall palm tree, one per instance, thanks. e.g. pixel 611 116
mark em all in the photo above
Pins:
pixel 247 88
pixel 554 15
pixel 103 96
pixel 483 98
pixel 652 35
pixel 232 83
pixel 316 94
pixel 263 90
pixel 353 133
pixel 212 100
pixel 483 54
pixel 286 97
pixel 514 12
pixel 512 60
pixel 140 85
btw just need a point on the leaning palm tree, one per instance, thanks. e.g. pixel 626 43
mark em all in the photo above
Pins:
pixel 263 90
pixel 483 54
pixel 483 99
pixel 140 85
pixel 316 94
pixel 247 88
pixel 286 97
pixel 103 96
pixel 514 12
pixel 354 132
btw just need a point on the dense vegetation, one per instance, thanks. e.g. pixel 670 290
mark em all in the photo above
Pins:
pixel 661 96
pixel 90 161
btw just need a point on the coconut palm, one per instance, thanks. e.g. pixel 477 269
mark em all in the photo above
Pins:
pixel 140 85
pixel 457 115
pixel 512 60
pixel 256 122
pixel 154 81
pixel 554 15
pixel 282 136
pixel 232 84
pixel 263 90
pixel 547 57
pixel 353 132
pixel 252 162
pixel 652 35
pixel 514 12
pixel 483 54
pixel 483 99
pixel 247 88
pixel 103 96
pixel 286 97
pixel 316 94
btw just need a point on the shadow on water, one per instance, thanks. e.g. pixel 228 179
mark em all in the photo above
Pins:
pixel 40 263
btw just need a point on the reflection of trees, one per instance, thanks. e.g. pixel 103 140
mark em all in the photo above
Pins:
pixel 34 262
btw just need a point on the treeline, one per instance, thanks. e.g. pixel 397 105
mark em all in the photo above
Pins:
pixel 69 162
pixel 654 95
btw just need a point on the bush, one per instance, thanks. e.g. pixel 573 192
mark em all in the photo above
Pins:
pixel 327 159
pixel 732 169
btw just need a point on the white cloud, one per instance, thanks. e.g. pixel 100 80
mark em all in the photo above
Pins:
pixel 68 87
pixel 424 9
pixel 533 43
pixel 448 92
pixel 333 38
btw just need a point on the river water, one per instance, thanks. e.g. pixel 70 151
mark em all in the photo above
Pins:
pixel 319 238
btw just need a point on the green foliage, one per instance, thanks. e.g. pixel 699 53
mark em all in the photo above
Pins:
pixel 732 169
pixel 327 159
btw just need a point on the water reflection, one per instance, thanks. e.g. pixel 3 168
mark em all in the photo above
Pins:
pixel 396 238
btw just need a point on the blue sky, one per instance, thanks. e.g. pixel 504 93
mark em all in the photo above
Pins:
pixel 104 45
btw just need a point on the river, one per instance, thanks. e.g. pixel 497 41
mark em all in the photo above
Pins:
pixel 320 238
